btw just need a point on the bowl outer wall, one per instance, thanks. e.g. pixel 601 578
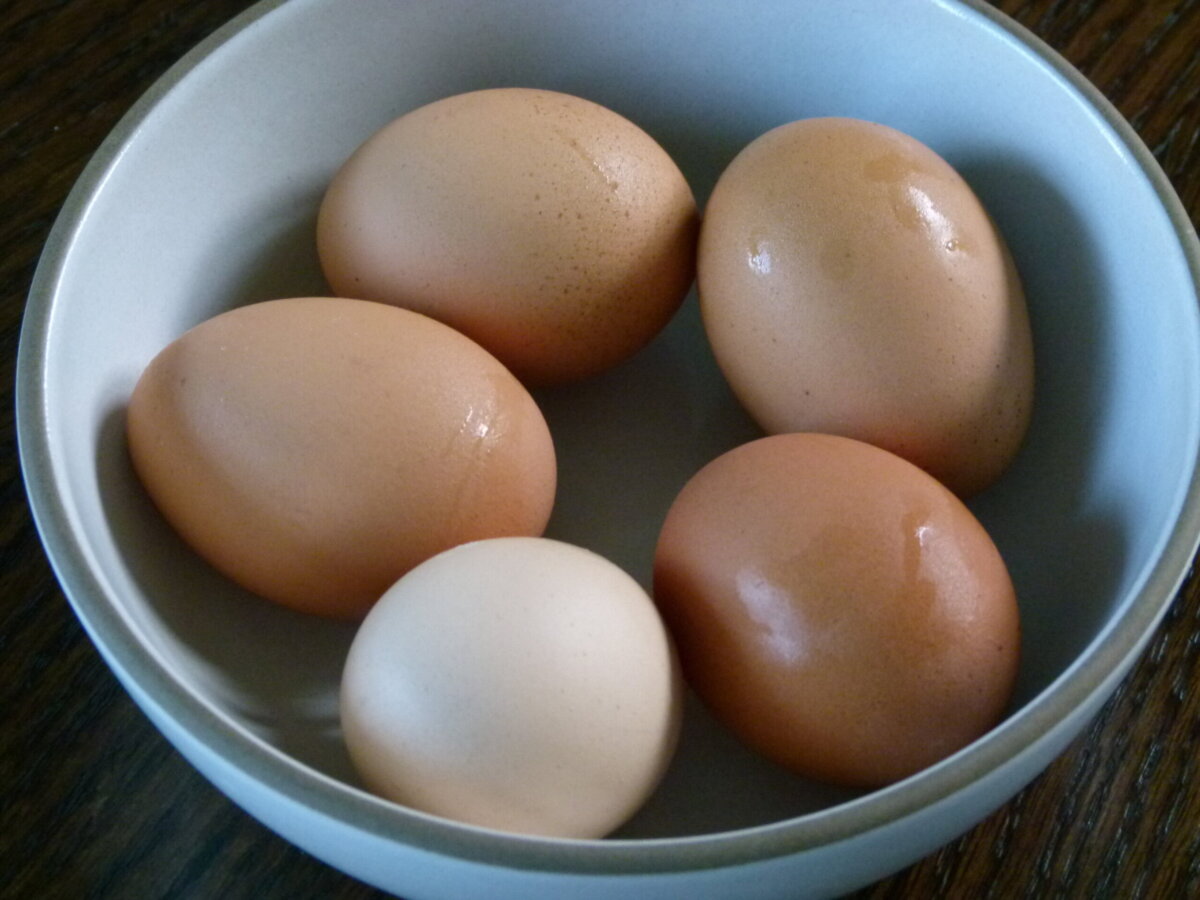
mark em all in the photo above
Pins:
pixel 822 871
pixel 250 770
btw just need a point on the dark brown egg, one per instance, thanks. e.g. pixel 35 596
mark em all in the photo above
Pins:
pixel 837 607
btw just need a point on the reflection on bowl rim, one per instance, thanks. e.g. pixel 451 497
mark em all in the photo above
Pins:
pixel 1108 654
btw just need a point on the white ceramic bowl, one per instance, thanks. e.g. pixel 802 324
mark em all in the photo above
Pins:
pixel 205 196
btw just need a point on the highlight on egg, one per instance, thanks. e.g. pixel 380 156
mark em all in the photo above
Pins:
pixel 837 608
pixel 315 449
pixel 552 230
pixel 851 282
pixel 521 684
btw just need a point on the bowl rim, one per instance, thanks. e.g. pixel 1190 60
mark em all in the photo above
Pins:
pixel 1109 654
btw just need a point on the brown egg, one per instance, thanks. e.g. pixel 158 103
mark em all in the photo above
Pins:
pixel 838 608
pixel 316 449
pixel 553 231
pixel 852 283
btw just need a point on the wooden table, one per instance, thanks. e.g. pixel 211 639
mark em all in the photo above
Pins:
pixel 94 803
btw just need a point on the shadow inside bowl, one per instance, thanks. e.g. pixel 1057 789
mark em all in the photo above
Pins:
pixel 272 671
pixel 1066 545
pixel 285 264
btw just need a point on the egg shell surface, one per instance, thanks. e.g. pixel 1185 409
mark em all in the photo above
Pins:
pixel 314 449
pixel 552 230
pixel 852 283
pixel 521 684
pixel 838 608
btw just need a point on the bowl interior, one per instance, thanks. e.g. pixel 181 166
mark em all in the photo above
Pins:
pixel 210 202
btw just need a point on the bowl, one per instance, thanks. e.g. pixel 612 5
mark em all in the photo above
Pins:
pixel 205 198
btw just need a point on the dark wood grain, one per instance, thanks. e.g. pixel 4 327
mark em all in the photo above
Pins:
pixel 95 804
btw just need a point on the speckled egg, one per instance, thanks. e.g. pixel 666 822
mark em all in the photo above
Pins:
pixel 552 230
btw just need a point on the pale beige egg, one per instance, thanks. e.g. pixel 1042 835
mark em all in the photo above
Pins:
pixel 553 231
pixel 521 684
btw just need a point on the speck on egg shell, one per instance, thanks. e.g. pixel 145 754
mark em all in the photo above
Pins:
pixel 521 684
pixel 851 282
pixel 837 607
pixel 555 232
pixel 314 449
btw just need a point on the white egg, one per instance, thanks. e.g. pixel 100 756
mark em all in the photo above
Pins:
pixel 521 684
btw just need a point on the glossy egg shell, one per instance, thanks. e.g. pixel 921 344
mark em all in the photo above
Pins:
pixel 837 607
pixel 851 282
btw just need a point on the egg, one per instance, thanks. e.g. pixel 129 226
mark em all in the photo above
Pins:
pixel 314 449
pixel 851 282
pixel 838 608
pixel 552 230
pixel 520 684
